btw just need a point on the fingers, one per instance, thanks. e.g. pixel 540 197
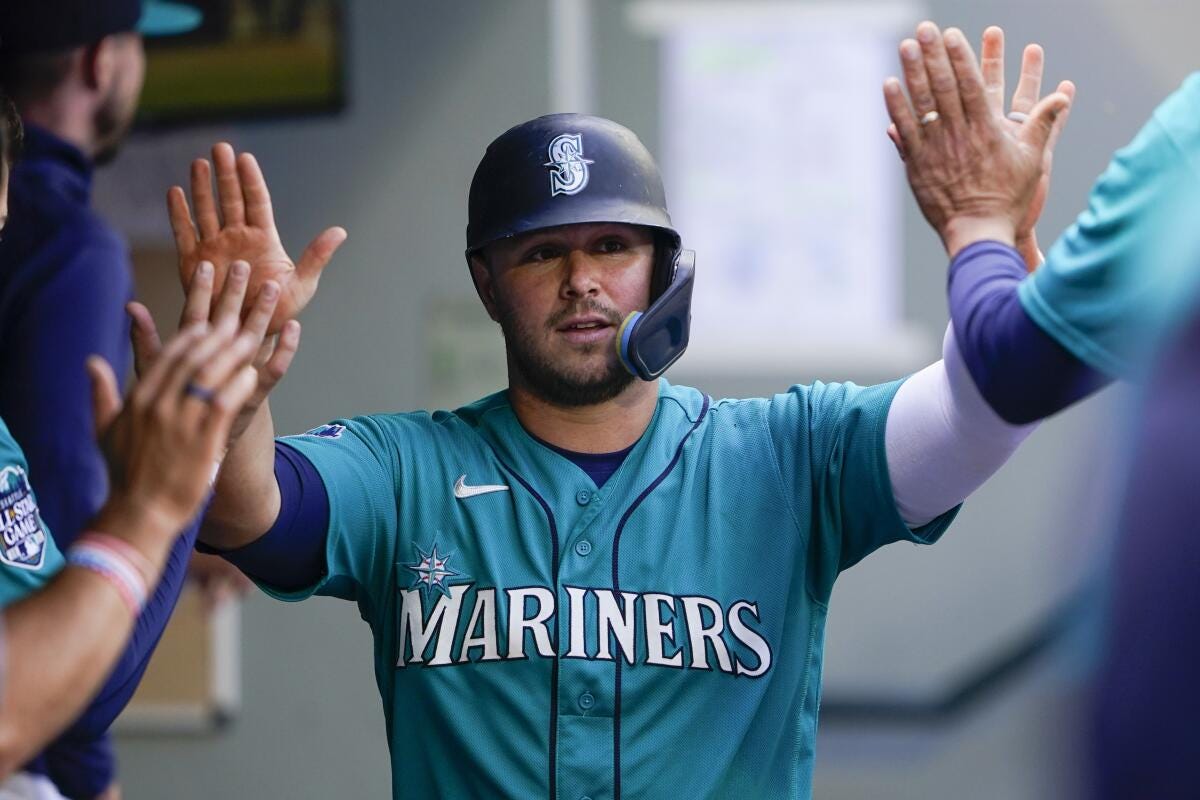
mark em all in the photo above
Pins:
pixel 916 79
pixel 215 346
pixel 199 296
pixel 941 75
pixel 255 326
pixel 1037 129
pixel 893 133
pixel 254 189
pixel 228 309
pixel 202 200
pixel 143 334
pixel 1066 88
pixel 217 363
pixel 966 71
pixel 906 125
pixel 1029 87
pixel 181 222
pixel 991 61
pixel 229 186
pixel 106 397
pixel 277 365
pixel 226 404
pixel 318 253
pixel 148 387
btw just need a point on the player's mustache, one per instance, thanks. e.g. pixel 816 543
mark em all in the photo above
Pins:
pixel 584 307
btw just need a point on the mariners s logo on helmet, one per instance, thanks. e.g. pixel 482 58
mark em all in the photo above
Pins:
pixel 568 167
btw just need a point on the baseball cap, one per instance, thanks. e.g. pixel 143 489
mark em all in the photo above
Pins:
pixel 33 26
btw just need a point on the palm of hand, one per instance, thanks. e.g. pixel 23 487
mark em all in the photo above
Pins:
pixel 269 261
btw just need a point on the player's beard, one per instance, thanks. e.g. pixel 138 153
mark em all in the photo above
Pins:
pixel 556 383
pixel 112 122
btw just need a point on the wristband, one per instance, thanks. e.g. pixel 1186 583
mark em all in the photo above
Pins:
pixel 110 564
pixel 123 549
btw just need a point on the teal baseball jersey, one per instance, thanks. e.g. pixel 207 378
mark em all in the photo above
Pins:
pixel 28 555
pixel 1117 277
pixel 660 636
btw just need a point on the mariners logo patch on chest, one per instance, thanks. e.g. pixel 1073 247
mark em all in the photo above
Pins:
pixel 24 535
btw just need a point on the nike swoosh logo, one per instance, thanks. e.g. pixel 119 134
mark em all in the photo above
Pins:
pixel 462 491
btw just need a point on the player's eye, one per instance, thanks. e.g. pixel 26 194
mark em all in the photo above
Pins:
pixel 543 253
pixel 611 246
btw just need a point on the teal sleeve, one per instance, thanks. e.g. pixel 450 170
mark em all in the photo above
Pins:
pixel 831 444
pixel 28 555
pixel 357 464
pixel 1113 280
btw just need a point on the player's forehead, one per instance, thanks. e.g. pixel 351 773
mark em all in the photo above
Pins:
pixel 576 234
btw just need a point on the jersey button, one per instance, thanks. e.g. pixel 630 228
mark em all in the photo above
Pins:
pixel 583 547
pixel 586 701
pixel 583 497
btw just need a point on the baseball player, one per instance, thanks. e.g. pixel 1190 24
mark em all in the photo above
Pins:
pixel 594 583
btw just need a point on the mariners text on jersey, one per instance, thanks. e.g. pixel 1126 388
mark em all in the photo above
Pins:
pixel 679 632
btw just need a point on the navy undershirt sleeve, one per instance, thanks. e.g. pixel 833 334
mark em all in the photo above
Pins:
pixel 1022 372
pixel 291 555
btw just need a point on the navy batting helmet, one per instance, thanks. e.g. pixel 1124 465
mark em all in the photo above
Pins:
pixel 563 169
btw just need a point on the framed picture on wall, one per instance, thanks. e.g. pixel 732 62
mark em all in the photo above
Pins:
pixel 248 59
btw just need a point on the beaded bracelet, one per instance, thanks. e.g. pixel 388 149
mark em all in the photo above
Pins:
pixel 96 553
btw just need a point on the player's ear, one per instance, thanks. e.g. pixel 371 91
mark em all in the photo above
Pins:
pixel 98 63
pixel 481 274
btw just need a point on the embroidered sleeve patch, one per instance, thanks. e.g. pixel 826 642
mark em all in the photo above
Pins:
pixel 24 535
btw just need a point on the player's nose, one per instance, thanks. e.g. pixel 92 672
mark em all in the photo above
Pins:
pixel 580 275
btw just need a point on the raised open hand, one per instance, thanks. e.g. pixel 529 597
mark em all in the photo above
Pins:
pixel 162 442
pixel 974 175
pixel 244 231
pixel 273 355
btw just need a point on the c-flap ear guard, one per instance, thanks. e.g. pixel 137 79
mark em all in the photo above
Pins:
pixel 650 342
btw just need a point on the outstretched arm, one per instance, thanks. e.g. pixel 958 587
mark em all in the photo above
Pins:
pixel 161 445
pixel 977 178
pixel 247 499
pixel 1023 373
pixel 943 440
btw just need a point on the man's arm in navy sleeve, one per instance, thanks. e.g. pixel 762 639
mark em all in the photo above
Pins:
pixel 1022 372
pixel 291 555
pixel 72 311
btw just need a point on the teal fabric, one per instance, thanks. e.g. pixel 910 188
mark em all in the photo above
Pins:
pixel 28 555
pixel 698 633
pixel 1113 283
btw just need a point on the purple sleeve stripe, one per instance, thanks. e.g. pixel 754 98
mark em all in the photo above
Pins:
pixel 1022 372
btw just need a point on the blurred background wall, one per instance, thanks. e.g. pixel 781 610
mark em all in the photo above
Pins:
pixel 429 85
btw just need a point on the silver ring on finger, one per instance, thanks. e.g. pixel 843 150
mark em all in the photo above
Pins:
pixel 199 392
pixel 1018 116
pixel 930 116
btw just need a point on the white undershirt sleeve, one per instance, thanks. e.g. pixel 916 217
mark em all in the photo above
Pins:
pixel 943 440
